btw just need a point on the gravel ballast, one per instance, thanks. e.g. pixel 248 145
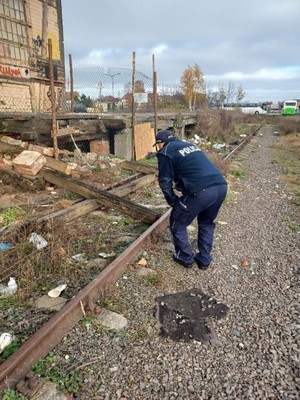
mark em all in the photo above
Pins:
pixel 255 272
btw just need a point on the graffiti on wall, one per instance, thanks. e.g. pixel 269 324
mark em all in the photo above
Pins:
pixel 37 44
pixel 14 72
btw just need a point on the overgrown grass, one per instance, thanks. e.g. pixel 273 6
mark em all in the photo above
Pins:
pixel 286 155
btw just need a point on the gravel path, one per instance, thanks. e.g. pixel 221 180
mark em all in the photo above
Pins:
pixel 256 355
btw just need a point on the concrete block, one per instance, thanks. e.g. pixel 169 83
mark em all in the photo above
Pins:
pixel 29 162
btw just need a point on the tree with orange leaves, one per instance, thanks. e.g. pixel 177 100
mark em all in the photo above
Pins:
pixel 193 86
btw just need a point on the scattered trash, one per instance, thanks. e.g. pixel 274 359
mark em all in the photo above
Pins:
pixel 106 255
pixel 78 257
pixel 10 289
pixel 57 291
pixel 218 146
pixel 143 262
pixel 222 222
pixel 245 263
pixel 38 241
pixel 5 339
pixel 5 246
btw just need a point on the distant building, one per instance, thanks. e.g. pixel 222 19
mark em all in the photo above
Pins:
pixel 25 27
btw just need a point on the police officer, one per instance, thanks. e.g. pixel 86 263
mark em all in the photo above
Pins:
pixel 203 189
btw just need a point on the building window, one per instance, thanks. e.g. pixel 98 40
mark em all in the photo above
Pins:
pixel 13 32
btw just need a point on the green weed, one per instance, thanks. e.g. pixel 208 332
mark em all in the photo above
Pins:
pixel 238 173
pixel 47 369
pixel 96 170
pixel 13 395
pixel 8 302
pixel 87 322
pixel 153 279
pixel 11 215
pixel 9 350
pixel 292 225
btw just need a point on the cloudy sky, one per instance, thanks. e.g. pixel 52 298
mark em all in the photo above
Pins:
pixel 252 43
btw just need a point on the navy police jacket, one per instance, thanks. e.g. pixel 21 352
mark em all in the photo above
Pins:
pixel 188 167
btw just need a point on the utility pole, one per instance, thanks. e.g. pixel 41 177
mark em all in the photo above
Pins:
pixel 100 92
pixel 112 81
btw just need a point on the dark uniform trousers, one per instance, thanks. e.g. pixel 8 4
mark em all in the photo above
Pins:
pixel 204 205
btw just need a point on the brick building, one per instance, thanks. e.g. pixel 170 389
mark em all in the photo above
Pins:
pixel 25 27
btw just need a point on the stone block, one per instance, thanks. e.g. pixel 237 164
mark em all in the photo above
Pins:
pixel 29 162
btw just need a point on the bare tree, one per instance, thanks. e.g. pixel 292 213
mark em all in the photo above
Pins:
pixel 230 91
pixel 240 93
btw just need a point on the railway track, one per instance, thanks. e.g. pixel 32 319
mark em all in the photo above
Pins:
pixel 52 332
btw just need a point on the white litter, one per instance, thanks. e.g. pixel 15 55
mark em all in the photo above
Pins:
pixel 9 289
pixel 38 241
pixel 57 291
pixel 5 339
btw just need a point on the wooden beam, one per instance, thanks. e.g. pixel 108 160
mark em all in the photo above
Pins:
pixel 134 185
pixel 85 206
pixel 108 199
pixel 72 212
pixel 139 167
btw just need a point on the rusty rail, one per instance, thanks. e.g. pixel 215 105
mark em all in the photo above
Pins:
pixel 242 144
pixel 51 333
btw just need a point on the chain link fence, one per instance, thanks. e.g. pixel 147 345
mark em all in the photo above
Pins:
pixel 100 91
pixel 29 112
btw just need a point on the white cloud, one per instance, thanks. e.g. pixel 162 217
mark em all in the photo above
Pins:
pixel 252 42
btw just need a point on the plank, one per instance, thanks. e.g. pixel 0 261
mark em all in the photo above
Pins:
pixel 132 186
pixel 139 167
pixel 72 212
pixel 108 199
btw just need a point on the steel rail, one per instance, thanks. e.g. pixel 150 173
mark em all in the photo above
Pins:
pixel 242 144
pixel 53 331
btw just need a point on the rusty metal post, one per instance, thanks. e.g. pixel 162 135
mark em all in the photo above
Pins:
pixel 53 101
pixel 133 107
pixel 71 84
pixel 154 95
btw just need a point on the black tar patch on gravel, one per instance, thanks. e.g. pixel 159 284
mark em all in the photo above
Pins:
pixel 187 315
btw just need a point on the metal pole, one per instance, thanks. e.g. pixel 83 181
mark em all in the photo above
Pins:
pixel 112 76
pixel 53 101
pixel 133 107
pixel 154 94
pixel 71 84
pixel 100 95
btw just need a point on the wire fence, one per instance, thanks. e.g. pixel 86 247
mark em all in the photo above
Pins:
pixel 98 90
pixel 40 110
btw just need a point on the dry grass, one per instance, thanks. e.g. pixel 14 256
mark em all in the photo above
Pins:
pixel 286 155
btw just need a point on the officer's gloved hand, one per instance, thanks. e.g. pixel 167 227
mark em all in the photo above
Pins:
pixel 174 202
